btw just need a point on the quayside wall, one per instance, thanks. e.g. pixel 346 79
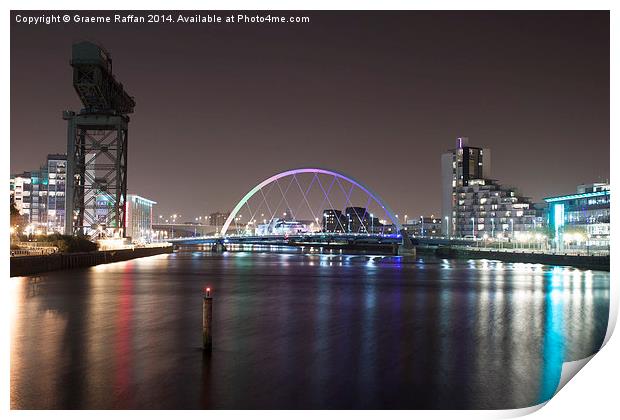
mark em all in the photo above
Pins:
pixel 588 262
pixel 28 265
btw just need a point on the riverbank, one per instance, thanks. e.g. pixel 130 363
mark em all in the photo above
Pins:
pixel 587 262
pixel 35 264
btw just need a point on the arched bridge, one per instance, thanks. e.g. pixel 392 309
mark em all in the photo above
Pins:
pixel 310 203
pixel 325 189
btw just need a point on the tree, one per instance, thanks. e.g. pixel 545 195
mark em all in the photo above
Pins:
pixel 16 219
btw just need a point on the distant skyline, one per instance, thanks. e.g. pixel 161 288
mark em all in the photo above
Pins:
pixel 377 95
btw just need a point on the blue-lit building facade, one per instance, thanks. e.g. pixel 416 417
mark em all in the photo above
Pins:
pixel 581 219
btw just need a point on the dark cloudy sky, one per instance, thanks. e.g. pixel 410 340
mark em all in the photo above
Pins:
pixel 377 95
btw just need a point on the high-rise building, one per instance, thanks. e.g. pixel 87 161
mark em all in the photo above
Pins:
pixel 39 195
pixel 218 219
pixel 458 167
pixel 476 206
pixel 353 220
pixel 582 218
pixel 38 198
pixel 139 218
pixel 334 221
pixel 358 220
pixel 56 188
pixel 20 194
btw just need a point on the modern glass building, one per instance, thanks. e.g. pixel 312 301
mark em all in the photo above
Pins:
pixel 139 218
pixel 582 219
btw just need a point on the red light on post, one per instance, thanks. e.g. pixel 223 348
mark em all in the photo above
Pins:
pixel 207 291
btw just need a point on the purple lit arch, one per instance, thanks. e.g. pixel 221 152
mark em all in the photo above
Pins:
pixel 315 171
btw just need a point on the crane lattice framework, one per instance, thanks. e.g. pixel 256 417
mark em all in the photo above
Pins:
pixel 97 146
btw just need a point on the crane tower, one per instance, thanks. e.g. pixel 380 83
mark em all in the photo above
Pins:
pixel 97 146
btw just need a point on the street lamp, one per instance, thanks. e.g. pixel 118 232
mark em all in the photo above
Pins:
pixel 174 220
pixel 473 233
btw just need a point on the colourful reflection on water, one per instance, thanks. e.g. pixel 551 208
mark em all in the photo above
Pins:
pixel 302 330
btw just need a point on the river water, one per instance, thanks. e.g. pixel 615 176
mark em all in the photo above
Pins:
pixel 301 330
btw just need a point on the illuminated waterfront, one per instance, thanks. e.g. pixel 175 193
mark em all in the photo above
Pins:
pixel 295 330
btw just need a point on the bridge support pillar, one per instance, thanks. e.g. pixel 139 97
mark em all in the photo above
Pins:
pixel 405 252
pixel 218 247
pixel 406 248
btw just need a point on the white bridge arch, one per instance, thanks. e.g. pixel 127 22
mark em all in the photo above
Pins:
pixel 316 171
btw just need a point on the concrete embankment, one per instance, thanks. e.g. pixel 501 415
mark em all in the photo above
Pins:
pixel 588 262
pixel 23 266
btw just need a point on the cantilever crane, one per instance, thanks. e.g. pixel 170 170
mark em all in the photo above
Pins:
pixel 97 146
pixel 94 82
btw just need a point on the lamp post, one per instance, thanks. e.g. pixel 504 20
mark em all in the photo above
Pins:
pixel 447 234
pixel 473 232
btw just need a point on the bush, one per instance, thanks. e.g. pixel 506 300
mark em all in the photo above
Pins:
pixel 67 243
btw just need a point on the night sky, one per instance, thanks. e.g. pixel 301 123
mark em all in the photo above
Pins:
pixel 376 95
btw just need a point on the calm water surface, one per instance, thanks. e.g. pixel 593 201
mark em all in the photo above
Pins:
pixel 301 331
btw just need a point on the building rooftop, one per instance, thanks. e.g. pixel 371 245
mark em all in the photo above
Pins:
pixel 575 196
pixel 136 197
pixel 57 156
